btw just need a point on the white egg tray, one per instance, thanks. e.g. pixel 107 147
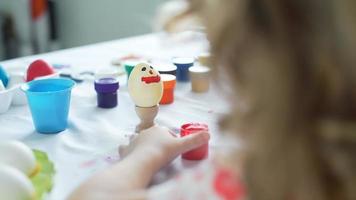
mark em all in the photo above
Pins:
pixel 14 95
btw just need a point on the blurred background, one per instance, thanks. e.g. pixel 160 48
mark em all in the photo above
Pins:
pixel 36 26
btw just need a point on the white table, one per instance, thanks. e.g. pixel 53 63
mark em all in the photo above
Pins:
pixel 90 143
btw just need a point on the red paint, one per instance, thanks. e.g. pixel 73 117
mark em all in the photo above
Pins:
pixel 112 159
pixel 227 186
pixel 37 69
pixel 151 79
pixel 200 152
pixel 88 163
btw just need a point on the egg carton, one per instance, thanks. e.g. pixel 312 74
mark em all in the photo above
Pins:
pixel 13 95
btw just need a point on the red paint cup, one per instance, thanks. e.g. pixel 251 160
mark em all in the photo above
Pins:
pixel 200 152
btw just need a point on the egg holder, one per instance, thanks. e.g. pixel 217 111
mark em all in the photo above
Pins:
pixel 147 116
pixel 14 96
pixel 145 88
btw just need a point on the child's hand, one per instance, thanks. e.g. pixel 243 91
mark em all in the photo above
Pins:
pixel 162 145
pixel 143 157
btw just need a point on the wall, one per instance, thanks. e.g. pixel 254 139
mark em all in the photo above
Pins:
pixel 86 21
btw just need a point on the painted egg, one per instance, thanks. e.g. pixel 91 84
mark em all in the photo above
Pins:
pixel 14 185
pixel 37 69
pixel 145 85
pixel 19 156
pixel 4 76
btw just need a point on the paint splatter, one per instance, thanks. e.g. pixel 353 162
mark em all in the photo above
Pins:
pixel 88 163
pixel 112 159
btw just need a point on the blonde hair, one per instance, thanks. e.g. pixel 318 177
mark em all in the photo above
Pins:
pixel 292 68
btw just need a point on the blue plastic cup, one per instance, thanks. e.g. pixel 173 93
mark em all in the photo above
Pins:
pixel 49 101
pixel 183 64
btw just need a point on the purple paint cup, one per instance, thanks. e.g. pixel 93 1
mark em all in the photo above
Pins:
pixel 106 89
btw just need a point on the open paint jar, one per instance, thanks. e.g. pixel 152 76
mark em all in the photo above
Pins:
pixel 165 68
pixel 106 89
pixel 200 152
pixel 130 64
pixel 49 102
pixel 183 65
pixel 169 84
pixel 200 78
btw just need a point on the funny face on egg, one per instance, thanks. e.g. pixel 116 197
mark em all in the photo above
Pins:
pixel 145 85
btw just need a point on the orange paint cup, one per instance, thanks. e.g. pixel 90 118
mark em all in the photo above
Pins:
pixel 169 84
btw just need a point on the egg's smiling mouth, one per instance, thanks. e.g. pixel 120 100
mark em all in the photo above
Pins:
pixel 151 79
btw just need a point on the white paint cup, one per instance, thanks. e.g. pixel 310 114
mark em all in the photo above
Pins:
pixel 200 78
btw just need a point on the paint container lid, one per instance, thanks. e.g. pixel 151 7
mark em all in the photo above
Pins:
pixel 199 69
pixel 183 61
pixel 165 68
pixel 105 85
pixel 169 81
pixel 189 128
pixel 4 76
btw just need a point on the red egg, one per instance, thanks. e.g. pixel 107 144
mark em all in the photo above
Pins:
pixel 37 69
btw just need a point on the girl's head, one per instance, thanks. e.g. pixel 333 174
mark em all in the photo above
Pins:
pixel 291 67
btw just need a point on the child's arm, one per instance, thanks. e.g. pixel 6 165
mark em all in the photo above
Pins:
pixel 146 154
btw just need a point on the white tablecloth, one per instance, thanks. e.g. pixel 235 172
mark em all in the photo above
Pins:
pixel 91 140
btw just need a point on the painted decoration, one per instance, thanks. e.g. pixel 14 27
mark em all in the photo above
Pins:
pixel 145 85
pixel 37 69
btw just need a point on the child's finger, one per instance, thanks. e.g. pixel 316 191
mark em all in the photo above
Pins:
pixel 193 141
pixel 123 150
